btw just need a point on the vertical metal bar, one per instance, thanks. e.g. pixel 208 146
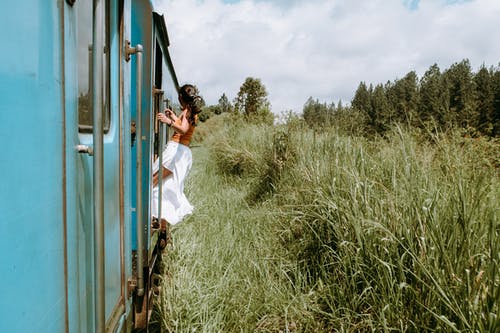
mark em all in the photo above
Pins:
pixel 140 223
pixel 137 50
pixel 98 164
pixel 167 106
pixel 160 165
pixel 158 97
pixel 64 163
pixel 91 75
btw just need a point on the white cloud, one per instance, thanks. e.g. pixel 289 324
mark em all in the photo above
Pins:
pixel 323 48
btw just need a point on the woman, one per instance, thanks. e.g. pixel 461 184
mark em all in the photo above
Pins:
pixel 177 158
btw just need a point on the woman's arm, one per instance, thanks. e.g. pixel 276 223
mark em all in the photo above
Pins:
pixel 170 119
pixel 165 174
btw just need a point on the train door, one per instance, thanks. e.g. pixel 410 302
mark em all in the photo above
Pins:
pixel 95 177
pixel 140 163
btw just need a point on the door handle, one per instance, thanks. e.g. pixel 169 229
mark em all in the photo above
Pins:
pixel 84 149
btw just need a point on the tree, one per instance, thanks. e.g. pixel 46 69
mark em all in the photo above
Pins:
pixel 362 99
pixel 207 112
pixel 496 103
pixel 381 112
pixel 434 101
pixel 461 90
pixel 224 104
pixel 316 114
pixel 252 101
pixel 340 106
pixel 403 97
pixel 485 98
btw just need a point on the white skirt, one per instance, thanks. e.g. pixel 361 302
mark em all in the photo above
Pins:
pixel 174 205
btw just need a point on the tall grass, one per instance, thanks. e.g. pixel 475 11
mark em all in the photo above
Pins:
pixel 302 231
pixel 401 234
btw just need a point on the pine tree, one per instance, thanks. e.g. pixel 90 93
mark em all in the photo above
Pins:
pixel 461 90
pixel 340 106
pixel 485 98
pixel 308 111
pixel 224 104
pixel 496 103
pixel 381 111
pixel 434 101
pixel 403 96
pixel 362 99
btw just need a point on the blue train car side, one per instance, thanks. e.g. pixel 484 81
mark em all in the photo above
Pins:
pixel 80 84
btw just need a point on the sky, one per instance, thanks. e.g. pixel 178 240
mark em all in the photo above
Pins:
pixel 323 48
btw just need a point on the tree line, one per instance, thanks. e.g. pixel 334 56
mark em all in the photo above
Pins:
pixel 252 103
pixel 456 97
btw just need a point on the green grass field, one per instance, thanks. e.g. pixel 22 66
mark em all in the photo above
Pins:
pixel 303 231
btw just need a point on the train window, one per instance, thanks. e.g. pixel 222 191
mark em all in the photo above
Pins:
pixel 158 66
pixel 84 60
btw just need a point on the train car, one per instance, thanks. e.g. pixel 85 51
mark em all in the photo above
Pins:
pixel 80 84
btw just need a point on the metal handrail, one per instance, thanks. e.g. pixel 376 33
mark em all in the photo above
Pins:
pixel 137 50
pixel 160 169
pixel 161 130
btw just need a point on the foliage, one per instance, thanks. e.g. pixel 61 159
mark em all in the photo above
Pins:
pixel 224 104
pixel 377 216
pixel 348 234
pixel 454 98
pixel 317 114
pixel 252 101
pixel 207 112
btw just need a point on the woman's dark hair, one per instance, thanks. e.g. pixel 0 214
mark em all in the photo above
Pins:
pixel 188 93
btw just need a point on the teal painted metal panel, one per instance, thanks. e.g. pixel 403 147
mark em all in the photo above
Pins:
pixel 79 173
pixel 31 169
pixel 112 173
pixel 80 182
pixel 142 27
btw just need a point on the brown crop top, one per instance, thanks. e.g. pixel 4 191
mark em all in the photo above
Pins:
pixel 184 139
